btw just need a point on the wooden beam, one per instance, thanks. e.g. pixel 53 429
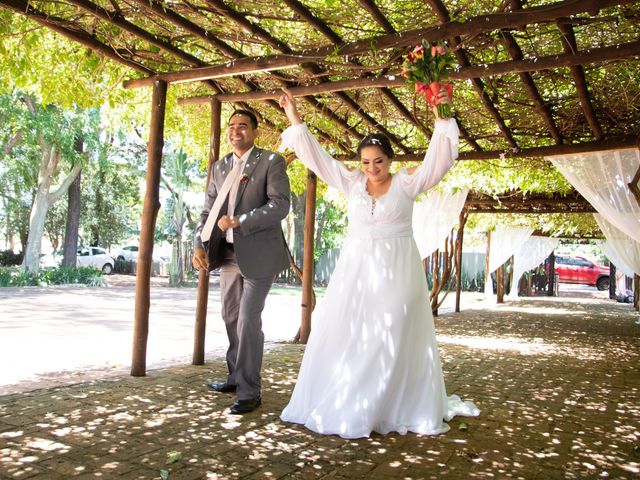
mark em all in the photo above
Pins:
pixel 613 143
pixel 149 214
pixel 240 66
pixel 473 27
pixel 571 46
pixel 531 211
pixel 63 27
pixel 595 55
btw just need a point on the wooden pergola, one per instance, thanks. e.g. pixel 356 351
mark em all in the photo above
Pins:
pixel 535 78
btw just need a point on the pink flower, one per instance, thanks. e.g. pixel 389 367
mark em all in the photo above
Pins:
pixel 438 50
pixel 503 155
pixel 416 54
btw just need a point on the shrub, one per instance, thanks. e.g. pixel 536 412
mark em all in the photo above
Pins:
pixel 13 277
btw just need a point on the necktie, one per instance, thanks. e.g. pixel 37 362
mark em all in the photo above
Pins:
pixel 233 195
pixel 232 178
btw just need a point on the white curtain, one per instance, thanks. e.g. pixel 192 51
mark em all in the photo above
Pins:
pixel 602 178
pixel 531 254
pixel 621 249
pixel 505 241
pixel 434 217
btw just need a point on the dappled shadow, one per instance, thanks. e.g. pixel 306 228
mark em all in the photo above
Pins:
pixel 557 383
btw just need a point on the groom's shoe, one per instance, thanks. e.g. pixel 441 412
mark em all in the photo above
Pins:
pixel 245 406
pixel 221 387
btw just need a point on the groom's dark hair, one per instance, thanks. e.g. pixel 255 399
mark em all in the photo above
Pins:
pixel 251 115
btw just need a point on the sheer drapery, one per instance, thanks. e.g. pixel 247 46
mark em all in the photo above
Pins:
pixel 602 178
pixel 621 249
pixel 505 241
pixel 434 217
pixel 531 254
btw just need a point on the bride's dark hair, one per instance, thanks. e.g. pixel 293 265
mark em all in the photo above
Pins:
pixel 376 140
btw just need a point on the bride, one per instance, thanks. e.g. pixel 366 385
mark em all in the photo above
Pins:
pixel 372 362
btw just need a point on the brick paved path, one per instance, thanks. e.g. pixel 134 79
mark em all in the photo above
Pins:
pixel 557 381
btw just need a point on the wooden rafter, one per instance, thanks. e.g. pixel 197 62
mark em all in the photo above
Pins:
pixel 238 18
pixel 463 59
pixel 333 37
pixel 543 109
pixel 570 46
pixel 68 30
pixel 163 11
pixel 116 18
pixel 378 16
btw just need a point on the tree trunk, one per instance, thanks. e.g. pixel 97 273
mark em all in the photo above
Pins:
pixel 42 201
pixel 70 251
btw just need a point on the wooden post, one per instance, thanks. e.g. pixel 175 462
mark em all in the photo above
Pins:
pixel 435 281
pixel 487 273
pixel 459 239
pixel 612 281
pixel 509 280
pixel 200 326
pixel 552 275
pixel 307 264
pixel 500 283
pixel 149 214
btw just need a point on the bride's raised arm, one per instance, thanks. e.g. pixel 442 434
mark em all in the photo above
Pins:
pixel 310 152
pixel 440 156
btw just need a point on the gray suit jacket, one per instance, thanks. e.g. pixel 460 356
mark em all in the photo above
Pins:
pixel 262 202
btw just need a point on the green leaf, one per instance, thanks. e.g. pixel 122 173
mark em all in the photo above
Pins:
pixel 463 427
pixel 173 457
pixel 164 474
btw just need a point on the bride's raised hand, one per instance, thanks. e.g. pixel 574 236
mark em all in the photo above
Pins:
pixel 441 97
pixel 288 104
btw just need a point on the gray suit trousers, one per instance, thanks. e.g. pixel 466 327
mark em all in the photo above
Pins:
pixel 243 300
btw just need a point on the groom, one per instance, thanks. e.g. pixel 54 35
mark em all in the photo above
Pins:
pixel 244 238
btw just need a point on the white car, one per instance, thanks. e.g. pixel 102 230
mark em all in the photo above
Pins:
pixel 86 257
pixel 95 257
pixel 129 253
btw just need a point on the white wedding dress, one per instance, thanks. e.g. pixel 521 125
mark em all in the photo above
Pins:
pixel 372 362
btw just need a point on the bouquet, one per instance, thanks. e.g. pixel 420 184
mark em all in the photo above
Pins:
pixel 426 67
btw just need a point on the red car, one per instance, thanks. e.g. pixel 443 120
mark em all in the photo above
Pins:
pixel 581 270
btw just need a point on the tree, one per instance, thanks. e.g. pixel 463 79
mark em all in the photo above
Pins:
pixel 176 178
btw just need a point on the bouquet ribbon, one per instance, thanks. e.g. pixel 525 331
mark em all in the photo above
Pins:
pixel 430 91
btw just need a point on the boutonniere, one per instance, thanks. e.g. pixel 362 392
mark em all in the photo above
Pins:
pixel 244 179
